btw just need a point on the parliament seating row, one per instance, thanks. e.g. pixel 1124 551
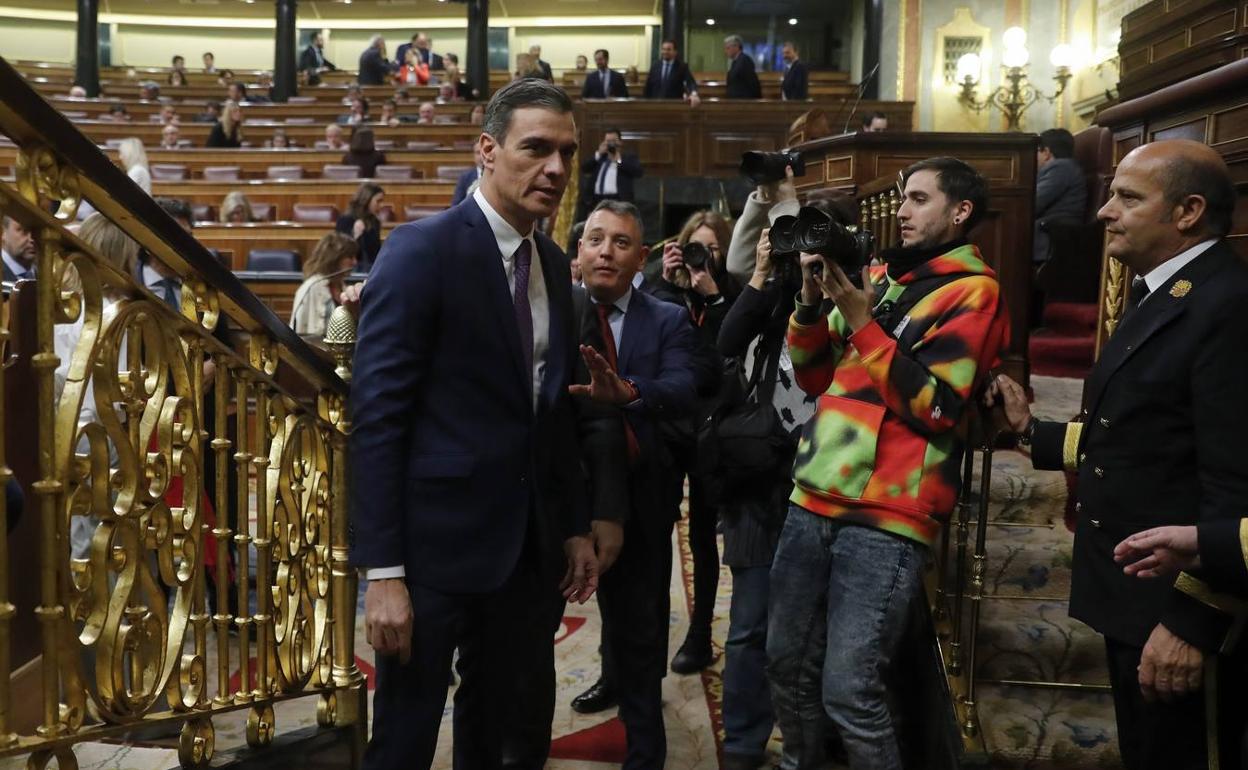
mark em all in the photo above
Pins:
pixel 236 243
pixel 285 194
pixel 288 112
pixel 258 133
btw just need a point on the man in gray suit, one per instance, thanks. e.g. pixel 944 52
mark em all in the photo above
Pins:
pixel 1061 194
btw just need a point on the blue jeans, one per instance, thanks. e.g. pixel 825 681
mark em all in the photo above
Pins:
pixel 840 596
pixel 748 718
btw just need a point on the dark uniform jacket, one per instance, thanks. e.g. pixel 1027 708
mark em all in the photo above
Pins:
pixel 1160 444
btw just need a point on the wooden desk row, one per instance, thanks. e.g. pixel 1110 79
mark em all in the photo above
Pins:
pixel 305 135
pixel 236 241
pixel 285 194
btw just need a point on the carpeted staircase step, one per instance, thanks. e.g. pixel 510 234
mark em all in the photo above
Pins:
pixel 1018 493
pixel 1073 319
pixel 1037 641
pixel 1037 729
pixel 1027 561
pixel 1054 354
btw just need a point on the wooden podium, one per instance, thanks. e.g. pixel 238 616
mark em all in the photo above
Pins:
pixel 867 166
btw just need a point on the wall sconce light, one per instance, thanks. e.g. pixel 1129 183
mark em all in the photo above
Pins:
pixel 1017 94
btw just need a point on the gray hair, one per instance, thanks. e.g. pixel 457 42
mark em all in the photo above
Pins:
pixel 622 209
pixel 374 40
pixel 734 40
pixel 526 92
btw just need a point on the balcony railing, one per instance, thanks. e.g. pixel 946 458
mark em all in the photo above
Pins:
pixel 127 636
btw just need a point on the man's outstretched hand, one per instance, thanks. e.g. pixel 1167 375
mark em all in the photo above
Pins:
pixel 1159 551
pixel 605 386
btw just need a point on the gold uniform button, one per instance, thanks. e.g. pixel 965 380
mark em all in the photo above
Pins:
pixel 1078 507
pixel 1083 456
pixel 1104 422
pixel 1100 472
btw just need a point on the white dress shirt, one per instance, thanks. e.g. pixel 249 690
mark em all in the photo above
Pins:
pixel 608 177
pixel 616 319
pixel 509 240
pixel 155 281
pixel 1159 276
pixel 15 266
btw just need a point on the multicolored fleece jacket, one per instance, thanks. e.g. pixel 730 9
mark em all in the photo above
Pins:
pixel 884 448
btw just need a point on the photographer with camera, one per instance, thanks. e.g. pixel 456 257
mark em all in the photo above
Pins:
pixel 609 175
pixel 893 365
pixel 771 413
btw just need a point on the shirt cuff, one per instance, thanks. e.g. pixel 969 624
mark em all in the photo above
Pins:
pixel 869 339
pixel 385 573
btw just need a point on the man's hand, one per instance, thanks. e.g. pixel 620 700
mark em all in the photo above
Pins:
pixel 694 99
pixel 673 261
pixel 813 267
pixel 1159 551
pixel 762 260
pixel 700 280
pixel 855 304
pixel 350 298
pixel 602 148
pixel 581 579
pixel 357 229
pixel 1169 667
pixel 608 540
pixel 605 386
pixel 1013 398
pixel 388 618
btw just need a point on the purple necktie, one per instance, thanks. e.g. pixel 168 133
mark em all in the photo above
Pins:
pixel 524 312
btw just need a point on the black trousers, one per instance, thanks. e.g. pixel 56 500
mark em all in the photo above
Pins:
pixel 409 698
pixel 635 600
pixel 527 717
pixel 1169 736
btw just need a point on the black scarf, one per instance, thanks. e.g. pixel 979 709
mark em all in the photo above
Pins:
pixel 901 260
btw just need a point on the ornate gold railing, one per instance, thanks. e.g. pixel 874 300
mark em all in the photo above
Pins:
pixel 878 202
pixel 128 639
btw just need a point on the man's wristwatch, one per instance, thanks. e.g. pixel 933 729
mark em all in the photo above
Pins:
pixel 1025 437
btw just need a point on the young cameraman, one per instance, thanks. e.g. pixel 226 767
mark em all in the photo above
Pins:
pixel 877 469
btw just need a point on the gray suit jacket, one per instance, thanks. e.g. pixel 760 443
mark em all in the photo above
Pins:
pixel 1061 196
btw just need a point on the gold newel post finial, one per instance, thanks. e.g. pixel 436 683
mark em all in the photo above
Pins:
pixel 340 339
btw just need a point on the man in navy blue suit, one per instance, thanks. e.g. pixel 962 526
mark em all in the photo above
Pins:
pixel 468 501
pixel 639 353
pixel 468 181
pixel 742 79
pixel 604 82
pixel 421 42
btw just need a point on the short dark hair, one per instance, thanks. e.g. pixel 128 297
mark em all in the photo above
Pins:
pixel 603 51
pixel 207 53
pixel 672 41
pixel 613 130
pixel 869 117
pixel 178 57
pixel 958 181
pixel 1058 141
pixel 841 206
pixel 363 103
pixel 242 89
pixel 177 208
pixel 574 236
pixel 1212 181
pixel 622 209
pixel 526 92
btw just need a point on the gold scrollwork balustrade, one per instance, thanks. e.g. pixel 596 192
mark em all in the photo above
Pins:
pixel 130 543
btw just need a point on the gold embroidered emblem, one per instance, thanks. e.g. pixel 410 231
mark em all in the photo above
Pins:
pixel 1180 288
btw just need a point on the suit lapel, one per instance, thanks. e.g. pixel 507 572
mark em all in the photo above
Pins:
pixel 1161 308
pixel 636 323
pixel 484 248
pixel 559 308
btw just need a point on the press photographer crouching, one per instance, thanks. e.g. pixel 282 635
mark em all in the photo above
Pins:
pixel 893 365
pixel 748 450
pixel 694 275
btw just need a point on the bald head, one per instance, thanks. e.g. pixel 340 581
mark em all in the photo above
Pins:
pixel 1186 168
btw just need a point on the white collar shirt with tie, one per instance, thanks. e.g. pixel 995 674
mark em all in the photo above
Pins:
pixel 616 319
pixel 509 241
pixel 18 270
pixel 160 287
pixel 608 181
pixel 605 76
pixel 1159 276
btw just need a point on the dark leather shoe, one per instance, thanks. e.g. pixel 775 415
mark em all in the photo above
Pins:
pixel 694 655
pixel 741 761
pixel 599 697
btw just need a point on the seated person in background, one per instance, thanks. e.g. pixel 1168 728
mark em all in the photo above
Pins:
pixel 449 59
pixel 168 115
pixel 227 132
pixel 446 93
pixel 264 87
pixel 210 63
pixel 211 113
pixel 427 114
pixel 227 77
pixel 401 96
pixel 77 92
pixel 477 116
pixel 324 274
pixel 413 72
pixel 117 113
pixel 134 161
pixel 462 91
pixel 177 78
pixel 390 114
pixel 169 137
pixel 361 222
pixel 279 141
pixel 358 114
pixel 582 63
pixel 333 137
pixel 874 122
pixel 236 92
pixel 1061 195
pixel 149 90
pixel 236 209
pixel 353 92
pixel 363 153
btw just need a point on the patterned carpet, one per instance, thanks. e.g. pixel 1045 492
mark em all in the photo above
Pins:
pixel 1025 636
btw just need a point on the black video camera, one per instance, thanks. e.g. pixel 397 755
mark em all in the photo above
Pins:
pixel 816 232
pixel 695 255
pixel 766 167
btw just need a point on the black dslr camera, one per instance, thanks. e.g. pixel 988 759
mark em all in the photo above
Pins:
pixel 816 232
pixel 766 167
pixel 695 255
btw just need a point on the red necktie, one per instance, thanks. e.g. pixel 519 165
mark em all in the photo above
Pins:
pixel 608 340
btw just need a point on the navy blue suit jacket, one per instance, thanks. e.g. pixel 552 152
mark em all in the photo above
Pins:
pixel 450 463
pixel 796 83
pixel 462 184
pixel 616 87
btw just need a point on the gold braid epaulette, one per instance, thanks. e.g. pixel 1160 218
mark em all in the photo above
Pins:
pixel 1070 446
